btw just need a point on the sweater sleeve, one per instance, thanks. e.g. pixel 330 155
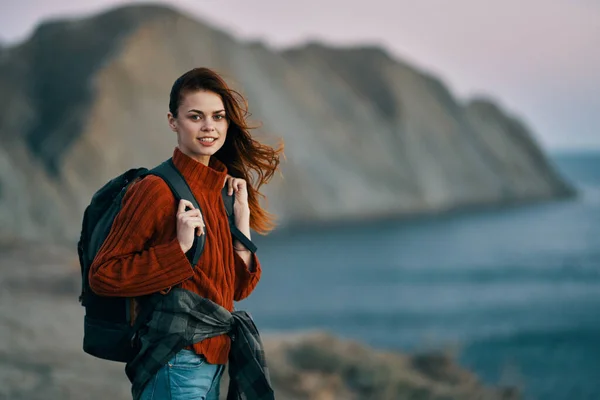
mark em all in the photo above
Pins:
pixel 126 266
pixel 245 281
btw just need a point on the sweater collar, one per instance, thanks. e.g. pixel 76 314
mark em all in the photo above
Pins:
pixel 198 175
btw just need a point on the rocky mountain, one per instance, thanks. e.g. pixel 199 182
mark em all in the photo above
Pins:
pixel 366 135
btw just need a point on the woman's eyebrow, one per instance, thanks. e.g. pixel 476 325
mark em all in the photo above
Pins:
pixel 200 112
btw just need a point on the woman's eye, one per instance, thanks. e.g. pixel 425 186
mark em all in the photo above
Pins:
pixel 219 117
pixel 195 117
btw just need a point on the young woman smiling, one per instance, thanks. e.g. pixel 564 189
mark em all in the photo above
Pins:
pixel 145 252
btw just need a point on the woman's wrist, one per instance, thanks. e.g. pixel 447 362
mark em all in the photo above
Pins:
pixel 241 208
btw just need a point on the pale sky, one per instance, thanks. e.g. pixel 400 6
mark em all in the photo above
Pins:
pixel 540 59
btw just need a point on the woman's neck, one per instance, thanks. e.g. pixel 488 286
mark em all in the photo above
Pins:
pixel 204 160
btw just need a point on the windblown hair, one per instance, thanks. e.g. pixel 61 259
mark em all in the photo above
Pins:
pixel 243 156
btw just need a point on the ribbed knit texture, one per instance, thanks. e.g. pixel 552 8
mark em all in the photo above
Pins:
pixel 141 254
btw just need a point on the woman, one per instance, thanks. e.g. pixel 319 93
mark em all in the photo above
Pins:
pixel 145 251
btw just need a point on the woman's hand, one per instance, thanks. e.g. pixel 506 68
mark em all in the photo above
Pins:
pixel 189 223
pixel 239 188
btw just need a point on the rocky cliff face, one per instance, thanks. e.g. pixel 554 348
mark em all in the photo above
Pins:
pixel 365 135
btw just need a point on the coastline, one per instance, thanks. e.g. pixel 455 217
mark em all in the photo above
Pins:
pixel 41 353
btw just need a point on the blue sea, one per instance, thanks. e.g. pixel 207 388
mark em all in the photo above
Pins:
pixel 514 293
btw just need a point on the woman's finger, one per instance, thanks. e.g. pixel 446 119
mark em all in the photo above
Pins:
pixel 227 177
pixel 231 188
pixel 190 213
pixel 192 221
pixel 193 213
pixel 183 204
pixel 196 223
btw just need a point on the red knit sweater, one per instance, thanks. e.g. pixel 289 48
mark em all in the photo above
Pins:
pixel 141 254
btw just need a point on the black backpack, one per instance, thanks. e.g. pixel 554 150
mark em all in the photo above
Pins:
pixel 108 331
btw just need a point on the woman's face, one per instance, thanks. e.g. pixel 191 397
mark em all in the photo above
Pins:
pixel 201 125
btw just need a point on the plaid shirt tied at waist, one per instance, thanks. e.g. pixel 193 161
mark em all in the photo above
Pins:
pixel 182 318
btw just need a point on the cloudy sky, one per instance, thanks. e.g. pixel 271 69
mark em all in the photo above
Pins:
pixel 540 59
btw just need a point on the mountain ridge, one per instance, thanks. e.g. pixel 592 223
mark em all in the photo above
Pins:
pixel 366 135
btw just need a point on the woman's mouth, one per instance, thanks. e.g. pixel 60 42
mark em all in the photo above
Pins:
pixel 207 141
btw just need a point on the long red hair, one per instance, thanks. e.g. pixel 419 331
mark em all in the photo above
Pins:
pixel 243 155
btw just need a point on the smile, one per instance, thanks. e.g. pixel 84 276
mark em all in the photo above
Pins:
pixel 207 141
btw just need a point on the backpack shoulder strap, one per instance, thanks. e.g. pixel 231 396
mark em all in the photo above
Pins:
pixel 181 190
pixel 235 232
pixel 228 202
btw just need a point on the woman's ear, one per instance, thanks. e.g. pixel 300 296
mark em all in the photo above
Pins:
pixel 172 122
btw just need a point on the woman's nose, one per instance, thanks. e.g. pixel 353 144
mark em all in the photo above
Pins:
pixel 207 125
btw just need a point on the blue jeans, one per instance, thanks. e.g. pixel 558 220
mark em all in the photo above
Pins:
pixel 187 376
